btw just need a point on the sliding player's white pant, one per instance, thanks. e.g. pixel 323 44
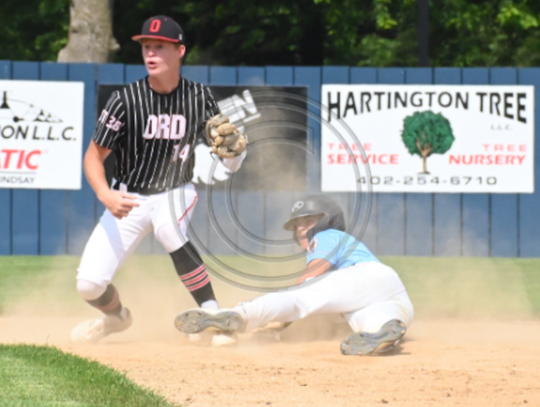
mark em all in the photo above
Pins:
pixel 113 240
pixel 367 294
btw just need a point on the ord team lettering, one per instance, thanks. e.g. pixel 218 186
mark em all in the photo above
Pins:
pixel 165 127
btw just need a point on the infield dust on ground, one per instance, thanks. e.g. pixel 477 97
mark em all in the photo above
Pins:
pixel 447 358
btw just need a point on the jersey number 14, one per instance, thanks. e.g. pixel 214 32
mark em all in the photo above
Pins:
pixel 178 154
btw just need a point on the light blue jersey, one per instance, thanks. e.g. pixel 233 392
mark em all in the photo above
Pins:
pixel 339 248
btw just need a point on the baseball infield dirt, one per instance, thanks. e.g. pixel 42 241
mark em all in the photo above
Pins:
pixel 487 355
pixel 441 363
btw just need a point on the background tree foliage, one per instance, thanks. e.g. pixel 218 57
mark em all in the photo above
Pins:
pixel 33 30
pixel 303 32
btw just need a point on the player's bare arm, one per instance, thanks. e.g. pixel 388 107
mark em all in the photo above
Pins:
pixel 315 268
pixel 118 203
pixel 301 227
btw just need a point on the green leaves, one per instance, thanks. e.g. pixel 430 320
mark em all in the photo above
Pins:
pixel 305 32
pixel 426 133
pixel 484 33
pixel 382 14
pixel 427 128
pixel 519 15
pixel 35 32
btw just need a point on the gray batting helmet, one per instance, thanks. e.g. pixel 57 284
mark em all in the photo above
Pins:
pixel 332 218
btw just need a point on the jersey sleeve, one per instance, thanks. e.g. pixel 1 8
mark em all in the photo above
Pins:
pixel 324 245
pixel 111 123
pixel 210 109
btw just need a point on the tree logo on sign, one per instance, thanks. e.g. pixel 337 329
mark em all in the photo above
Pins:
pixel 426 133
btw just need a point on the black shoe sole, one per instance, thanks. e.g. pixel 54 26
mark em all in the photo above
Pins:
pixel 364 343
pixel 195 321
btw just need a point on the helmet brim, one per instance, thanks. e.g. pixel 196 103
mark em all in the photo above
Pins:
pixel 290 224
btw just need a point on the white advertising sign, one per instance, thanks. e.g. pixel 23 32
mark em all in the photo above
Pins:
pixel 41 134
pixel 428 138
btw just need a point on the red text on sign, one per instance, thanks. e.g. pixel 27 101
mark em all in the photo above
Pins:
pixel 19 159
pixel 383 159
pixel 505 147
pixel 345 147
pixel 486 159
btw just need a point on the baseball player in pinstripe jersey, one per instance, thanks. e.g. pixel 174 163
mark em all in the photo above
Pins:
pixel 151 126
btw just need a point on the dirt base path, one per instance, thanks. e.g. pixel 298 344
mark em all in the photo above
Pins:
pixel 441 363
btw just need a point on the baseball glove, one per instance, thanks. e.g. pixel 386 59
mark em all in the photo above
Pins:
pixel 224 138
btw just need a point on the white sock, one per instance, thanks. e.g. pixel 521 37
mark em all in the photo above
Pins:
pixel 210 304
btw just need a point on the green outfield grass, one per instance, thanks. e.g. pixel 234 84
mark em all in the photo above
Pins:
pixel 471 287
pixel 34 376
pixel 445 287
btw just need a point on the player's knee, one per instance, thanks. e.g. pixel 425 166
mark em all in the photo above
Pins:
pixel 89 291
pixel 170 237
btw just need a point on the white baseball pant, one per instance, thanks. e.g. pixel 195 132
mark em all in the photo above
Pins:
pixel 113 240
pixel 367 294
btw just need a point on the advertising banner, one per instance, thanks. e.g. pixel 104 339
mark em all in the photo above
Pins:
pixel 41 134
pixel 428 138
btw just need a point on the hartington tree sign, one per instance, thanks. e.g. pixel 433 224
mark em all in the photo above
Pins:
pixel 432 138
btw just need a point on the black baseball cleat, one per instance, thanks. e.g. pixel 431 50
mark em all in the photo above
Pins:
pixel 196 320
pixel 365 343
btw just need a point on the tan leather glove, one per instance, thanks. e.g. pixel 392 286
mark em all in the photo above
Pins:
pixel 224 138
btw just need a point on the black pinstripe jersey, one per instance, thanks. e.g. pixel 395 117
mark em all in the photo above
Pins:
pixel 153 135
